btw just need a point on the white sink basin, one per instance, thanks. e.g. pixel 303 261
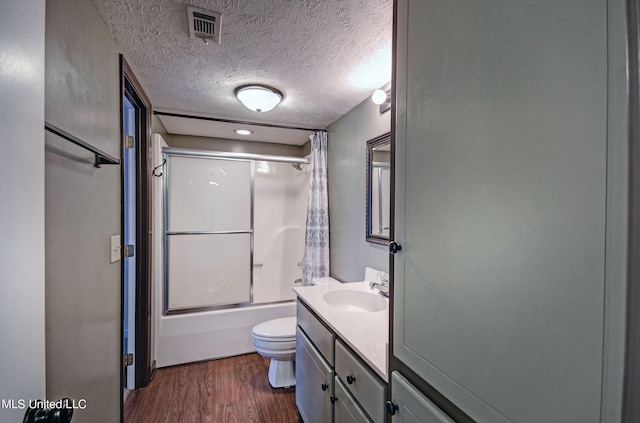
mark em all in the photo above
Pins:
pixel 352 300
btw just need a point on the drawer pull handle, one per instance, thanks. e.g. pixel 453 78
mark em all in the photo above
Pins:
pixel 351 379
pixel 324 386
pixel 391 408
pixel 333 398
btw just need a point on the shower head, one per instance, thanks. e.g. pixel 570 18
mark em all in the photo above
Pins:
pixel 296 166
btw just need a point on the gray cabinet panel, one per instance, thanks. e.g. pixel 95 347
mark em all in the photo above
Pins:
pixel 501 148
pixel 321 337
pixel 314 382
pixel 413 407
pixel 346 409
pixel 370 392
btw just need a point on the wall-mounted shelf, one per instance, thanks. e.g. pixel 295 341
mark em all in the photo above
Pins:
pixel 101 156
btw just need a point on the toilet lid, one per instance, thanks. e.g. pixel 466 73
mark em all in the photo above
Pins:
pixel 277 328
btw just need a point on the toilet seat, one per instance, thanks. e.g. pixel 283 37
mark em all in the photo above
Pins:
pixel 283 329
pixel 265 344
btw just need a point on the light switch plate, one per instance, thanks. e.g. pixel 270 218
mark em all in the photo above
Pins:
pixel 116 248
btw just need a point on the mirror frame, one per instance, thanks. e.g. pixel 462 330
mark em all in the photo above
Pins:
pixel 371 144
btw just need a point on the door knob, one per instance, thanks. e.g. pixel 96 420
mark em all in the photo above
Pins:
pixel 350 379
pixel 394 247
pixel 391 408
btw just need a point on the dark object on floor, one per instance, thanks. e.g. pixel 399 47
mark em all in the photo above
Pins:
pixel 62 413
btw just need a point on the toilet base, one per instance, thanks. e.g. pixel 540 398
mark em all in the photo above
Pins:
pixel 282 373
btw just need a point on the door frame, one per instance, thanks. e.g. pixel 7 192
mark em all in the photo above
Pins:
pixel 630 406
pixel 130 87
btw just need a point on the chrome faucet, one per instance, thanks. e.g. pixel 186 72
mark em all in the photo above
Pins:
pixel 382 284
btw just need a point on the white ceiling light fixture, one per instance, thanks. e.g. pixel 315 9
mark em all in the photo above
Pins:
pixel 379 96
pixel 259 98
pixel 382 98
pixel 243 131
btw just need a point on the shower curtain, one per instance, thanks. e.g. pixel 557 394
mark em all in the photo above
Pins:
pixel 316 251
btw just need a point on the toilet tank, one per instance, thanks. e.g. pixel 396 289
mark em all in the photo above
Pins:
pixel 324 281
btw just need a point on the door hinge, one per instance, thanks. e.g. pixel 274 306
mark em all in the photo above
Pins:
pixel 128 141
pixel 129 250
pixel 128 360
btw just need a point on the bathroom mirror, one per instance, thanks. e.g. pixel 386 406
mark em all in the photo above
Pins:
pixel 379 189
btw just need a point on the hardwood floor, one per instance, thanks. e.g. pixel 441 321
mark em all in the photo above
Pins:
pixel 229 390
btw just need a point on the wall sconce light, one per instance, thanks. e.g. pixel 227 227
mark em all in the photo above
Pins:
pixel 259 98
pixel 383 98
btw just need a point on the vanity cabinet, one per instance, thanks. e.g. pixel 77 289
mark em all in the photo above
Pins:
pixel 332 383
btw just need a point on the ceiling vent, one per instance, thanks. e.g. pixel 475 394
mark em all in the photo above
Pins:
pixel 203 24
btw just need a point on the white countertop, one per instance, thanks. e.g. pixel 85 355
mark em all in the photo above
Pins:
pixel 366 332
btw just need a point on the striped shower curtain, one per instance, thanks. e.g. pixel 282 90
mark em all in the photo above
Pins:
pixel 316 251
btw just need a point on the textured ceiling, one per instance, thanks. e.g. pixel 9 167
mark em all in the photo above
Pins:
pixel 326 56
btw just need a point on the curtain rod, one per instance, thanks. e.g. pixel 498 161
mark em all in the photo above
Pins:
pixel 232 155
pixel 239 122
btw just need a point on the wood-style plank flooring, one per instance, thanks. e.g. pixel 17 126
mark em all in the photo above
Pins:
pixel 229 390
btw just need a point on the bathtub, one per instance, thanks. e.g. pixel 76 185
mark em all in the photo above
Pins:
pixel 212 334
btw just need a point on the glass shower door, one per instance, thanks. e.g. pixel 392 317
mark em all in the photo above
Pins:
pixel 208 232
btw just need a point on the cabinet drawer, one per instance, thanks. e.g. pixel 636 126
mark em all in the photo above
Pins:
pixel 317 332
pixel 363 384
pixel 346 409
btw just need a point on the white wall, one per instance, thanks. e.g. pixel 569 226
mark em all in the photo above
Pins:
pixel 22 349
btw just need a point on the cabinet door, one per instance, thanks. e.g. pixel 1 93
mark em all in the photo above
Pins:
pixel 365 387
pixel 501 151
pixel 346 409
pixel 314 382
pixel 413 407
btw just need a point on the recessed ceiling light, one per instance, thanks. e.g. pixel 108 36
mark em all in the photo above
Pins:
pixel 259 98
pixel 243 131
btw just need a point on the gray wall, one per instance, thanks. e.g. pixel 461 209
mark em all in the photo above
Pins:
pixel 347 140
pixel 22 349
pixel 236 146
pixel 83 290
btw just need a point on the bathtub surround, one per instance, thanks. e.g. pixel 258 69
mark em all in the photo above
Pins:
pixel 280 200
pixel 316 253
pixel 275 201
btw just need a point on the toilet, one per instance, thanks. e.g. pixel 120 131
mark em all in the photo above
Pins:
pixel 276 339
